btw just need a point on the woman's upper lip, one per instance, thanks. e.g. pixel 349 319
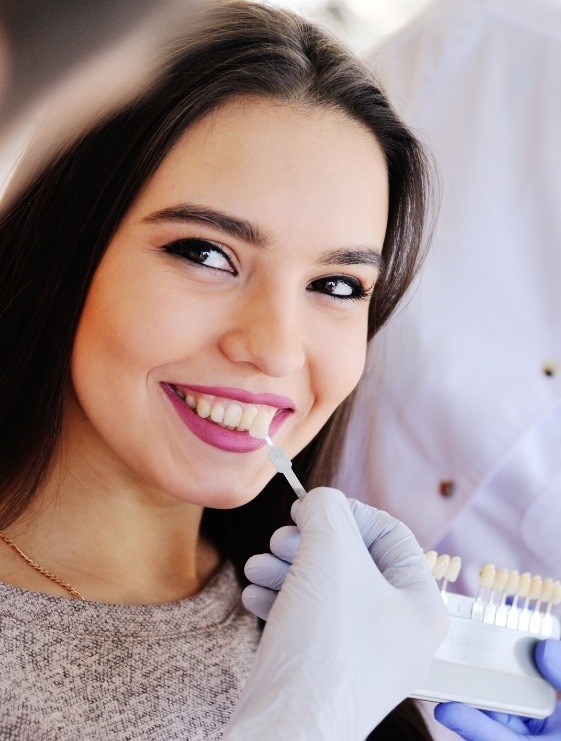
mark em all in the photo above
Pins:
pixel 246 397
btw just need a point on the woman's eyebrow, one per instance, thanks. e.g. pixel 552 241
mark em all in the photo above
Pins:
pixel 359 256
pixel 239 228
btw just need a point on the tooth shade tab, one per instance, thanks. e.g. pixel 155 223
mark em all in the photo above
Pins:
pixel 501 578
pixel 535 587
pixel 440 566
pixel 547 590
pixel 260 425
pixel 453 570
pixel 487 575
pixel 524 584
pixel 511 586
pixel 431 557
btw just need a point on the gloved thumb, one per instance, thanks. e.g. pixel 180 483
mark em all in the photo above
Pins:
pixel 547 655
pixel 325 513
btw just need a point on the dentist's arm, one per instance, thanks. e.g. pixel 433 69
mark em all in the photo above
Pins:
pixel 351 631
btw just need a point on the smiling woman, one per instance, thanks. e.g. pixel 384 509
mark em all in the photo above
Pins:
pixel 203 268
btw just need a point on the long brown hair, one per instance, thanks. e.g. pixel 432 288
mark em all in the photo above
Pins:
pixel 54 234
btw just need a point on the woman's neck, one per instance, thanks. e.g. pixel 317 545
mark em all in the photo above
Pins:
pixel 106 534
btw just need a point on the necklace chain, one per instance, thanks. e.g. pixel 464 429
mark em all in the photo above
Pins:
pixel 40 569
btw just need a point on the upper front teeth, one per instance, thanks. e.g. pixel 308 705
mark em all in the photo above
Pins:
pixel 232 414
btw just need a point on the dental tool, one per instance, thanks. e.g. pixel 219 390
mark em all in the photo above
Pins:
pixel 283 464
pixel 486 659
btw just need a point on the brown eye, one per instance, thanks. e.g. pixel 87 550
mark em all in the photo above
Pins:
pixel 339 286
pixel 201 252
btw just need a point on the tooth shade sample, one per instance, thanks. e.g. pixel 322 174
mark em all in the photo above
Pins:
pixel 524 584
pixel 431 557
pixel 440 566
pixel 260 425
pixel 535 587
pixel 512 583
pixel 547 590
pixel 233 415
pixel 501 577
pixel 487 575
pixel 453 570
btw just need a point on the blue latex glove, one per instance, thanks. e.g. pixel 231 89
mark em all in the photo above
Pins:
pixel 483 725
pixel 353 620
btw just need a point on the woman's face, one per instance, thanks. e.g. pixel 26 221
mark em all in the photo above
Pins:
pixel 239 280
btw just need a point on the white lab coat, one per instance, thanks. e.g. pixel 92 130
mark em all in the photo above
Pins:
pixel 456 398
pixel 457 426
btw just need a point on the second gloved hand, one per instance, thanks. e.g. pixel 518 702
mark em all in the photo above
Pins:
pixel 479 725
pixel 351 631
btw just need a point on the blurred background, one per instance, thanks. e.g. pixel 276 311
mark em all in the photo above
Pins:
pixel 360 23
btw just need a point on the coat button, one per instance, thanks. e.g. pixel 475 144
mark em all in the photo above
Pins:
pixel 446 487
pixel 551 368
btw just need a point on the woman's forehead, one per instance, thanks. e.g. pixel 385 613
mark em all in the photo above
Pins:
pixel 279 164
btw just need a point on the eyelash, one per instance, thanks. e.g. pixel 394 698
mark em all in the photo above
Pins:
pixel 187 248
pixel 182 248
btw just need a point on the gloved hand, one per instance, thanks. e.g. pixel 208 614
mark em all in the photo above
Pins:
pixel 351 631
pixel 480 725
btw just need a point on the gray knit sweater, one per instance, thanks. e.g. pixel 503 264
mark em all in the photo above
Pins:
pixel 88 670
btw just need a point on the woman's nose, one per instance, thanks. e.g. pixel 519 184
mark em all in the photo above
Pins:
pixel 266 333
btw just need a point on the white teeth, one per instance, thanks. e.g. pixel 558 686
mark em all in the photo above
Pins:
pixel 230 414
pixel 217 413
pixel 247 418
pixel 203 408
pixel 233 416
pixel 260 425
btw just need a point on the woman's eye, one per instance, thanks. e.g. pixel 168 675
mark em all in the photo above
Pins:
pixel 202 252
pixel 340 286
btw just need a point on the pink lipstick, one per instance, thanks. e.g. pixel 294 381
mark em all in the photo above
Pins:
pixel 231 441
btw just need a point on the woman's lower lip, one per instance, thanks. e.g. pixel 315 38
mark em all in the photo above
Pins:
pixel 232 441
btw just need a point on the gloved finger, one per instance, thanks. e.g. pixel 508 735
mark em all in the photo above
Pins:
pixel 547 655
pixel 325 513
pixel 259 600
pixel 472 724
pixel 515 723
pixel 391 544
pixel 285 542
pixel 266 570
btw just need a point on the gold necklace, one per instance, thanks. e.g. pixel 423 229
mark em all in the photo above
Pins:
pixel 40 569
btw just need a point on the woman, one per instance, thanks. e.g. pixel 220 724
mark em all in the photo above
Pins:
pixel 219 251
